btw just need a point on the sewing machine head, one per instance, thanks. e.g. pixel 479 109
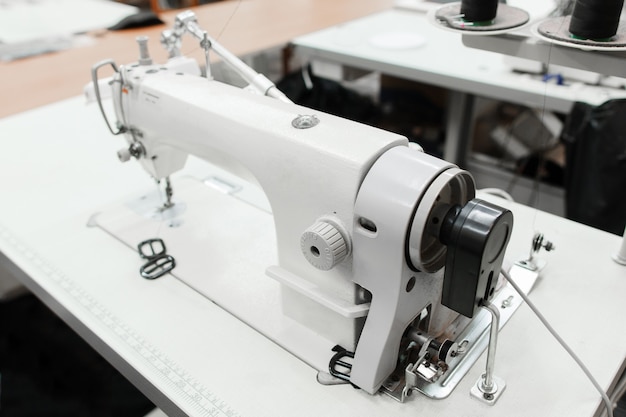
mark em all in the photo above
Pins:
pixel 380 246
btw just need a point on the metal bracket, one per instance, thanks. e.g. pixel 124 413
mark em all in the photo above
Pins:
pixel 532 263
pixel 411 377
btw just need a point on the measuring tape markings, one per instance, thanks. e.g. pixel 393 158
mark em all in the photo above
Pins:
pixel 202 399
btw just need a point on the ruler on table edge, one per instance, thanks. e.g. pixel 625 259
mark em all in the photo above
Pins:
pixel 200 398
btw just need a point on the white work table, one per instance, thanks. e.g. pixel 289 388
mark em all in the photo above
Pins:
pixel 444 61
pixel 192 358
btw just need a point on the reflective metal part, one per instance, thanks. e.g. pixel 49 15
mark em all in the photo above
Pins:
pixel 411 379
pixel 537 243
pixel 136 149
pixel 507 302
pixel 305 121
pixel 489 388
pixel 187 22
pixel 443 350
pixel 462 347
pixel 171 43
pixel 205 43
pixel 169 192
pixel 488 396
pixel 487 383
pixel 429 371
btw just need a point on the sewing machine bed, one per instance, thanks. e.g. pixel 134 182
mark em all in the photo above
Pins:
pixel 223 241
pixel 222 246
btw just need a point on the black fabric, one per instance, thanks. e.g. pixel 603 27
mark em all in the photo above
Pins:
pixel 595 176
pixel 620 410
pixel 328 96
pixel 400 110
pixel 46 369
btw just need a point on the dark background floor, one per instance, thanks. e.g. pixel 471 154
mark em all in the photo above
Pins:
pixel 46 369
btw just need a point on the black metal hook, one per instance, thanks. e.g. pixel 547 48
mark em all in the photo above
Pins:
pixel 337 360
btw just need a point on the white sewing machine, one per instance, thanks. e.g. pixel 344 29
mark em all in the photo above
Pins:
pixel 382 251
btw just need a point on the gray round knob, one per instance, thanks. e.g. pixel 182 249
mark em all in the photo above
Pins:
pixel 323 245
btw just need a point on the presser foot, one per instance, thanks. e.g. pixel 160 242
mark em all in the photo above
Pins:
pixel 170 213
pixel 168 194
pixel 423 370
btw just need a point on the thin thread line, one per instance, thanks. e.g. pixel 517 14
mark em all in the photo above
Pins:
pixel 230 18
pixel 540 162
pixel 224 27
pixel 605 399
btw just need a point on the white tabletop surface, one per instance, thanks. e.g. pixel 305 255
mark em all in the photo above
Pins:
pixel 22 21
pixel 441 60
pixel 191 358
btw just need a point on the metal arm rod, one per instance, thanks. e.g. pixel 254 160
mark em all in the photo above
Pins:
pixel 489 387
pixel 258 81
pixel 186 21
pixel 488 384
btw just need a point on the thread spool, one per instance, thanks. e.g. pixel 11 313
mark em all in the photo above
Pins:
pixel 479 17
pixel 595 19
pixel 479 10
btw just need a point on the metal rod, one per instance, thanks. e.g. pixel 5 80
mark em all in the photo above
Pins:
pixel 487 383
pixel 169 192
pixel 186 21
pixel 206 44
